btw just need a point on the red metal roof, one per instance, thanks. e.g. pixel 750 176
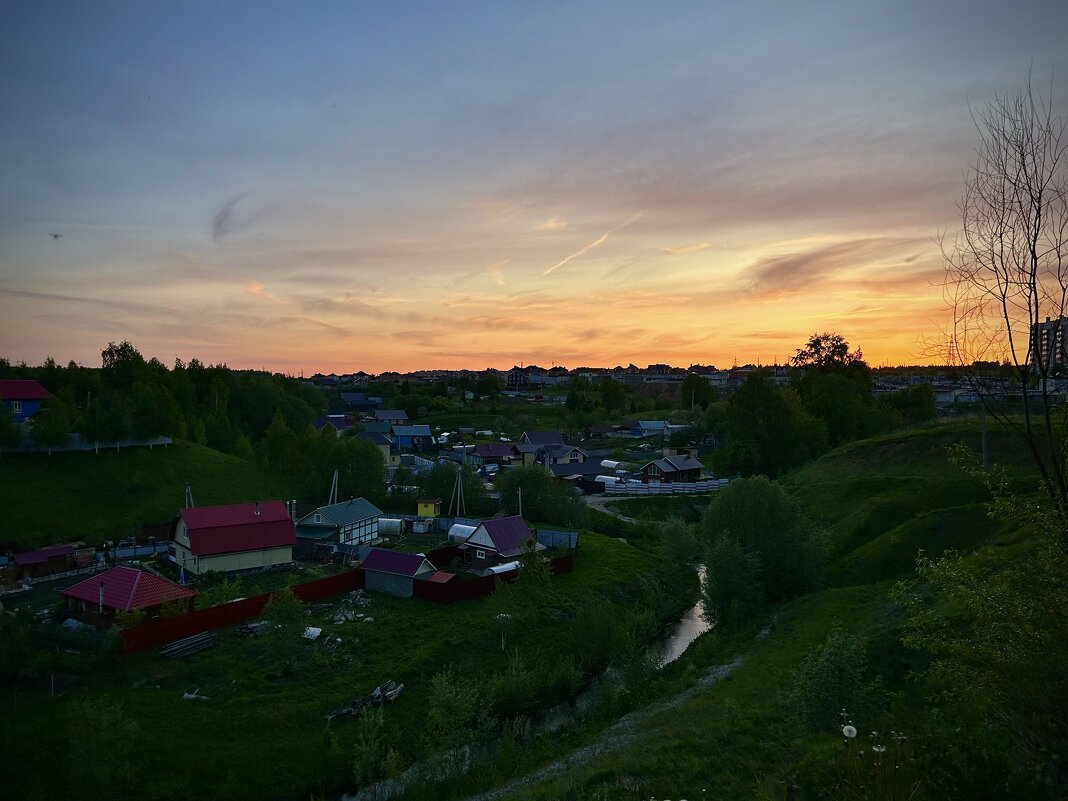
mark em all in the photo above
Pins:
pixel 127 588
pixel 228 529
pixel 439 576
pixel 22 389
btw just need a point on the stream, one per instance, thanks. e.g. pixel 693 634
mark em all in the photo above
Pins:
pixel 682 634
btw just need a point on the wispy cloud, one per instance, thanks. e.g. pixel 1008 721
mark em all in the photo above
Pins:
pixel 552 224
pixel 850 313
pixel 225 221
pixel 255 288
pixel 108 304
pixel 687 249
pixel 596 243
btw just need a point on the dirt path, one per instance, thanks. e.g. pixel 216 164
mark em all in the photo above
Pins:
pixel 619 735
pixel 602 504
pixel 624 732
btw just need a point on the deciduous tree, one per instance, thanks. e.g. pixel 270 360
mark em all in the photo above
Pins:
pixel 1007 270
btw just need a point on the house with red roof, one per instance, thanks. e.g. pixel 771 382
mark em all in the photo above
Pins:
pixel 238 538
pixel 122 589
pixel 497 541
pixel 23 397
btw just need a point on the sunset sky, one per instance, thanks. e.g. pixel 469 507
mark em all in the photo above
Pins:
pixel 356 185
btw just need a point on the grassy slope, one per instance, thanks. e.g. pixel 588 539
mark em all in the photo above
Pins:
pixel 882 500
pixel 885 499
pixel 262 738
pixel 94 497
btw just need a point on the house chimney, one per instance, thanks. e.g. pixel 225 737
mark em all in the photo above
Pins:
pixel 294 514
pixel 257 512
pixel 100 599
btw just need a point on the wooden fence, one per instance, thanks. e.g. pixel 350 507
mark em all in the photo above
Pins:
pixel 673 488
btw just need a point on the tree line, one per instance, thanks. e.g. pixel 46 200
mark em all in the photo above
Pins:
pixel 254 415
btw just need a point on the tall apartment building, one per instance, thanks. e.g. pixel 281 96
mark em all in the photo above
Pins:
pixel 1050 347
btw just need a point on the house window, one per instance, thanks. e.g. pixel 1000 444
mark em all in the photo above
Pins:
pixel 318 518
pixel 16 407
pixel 654 470
pixel 480 554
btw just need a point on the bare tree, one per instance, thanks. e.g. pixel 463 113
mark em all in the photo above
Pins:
pixel 1006 271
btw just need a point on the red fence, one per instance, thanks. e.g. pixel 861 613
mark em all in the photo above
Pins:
pixel 160 632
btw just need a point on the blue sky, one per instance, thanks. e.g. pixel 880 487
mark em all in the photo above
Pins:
pixel 347 185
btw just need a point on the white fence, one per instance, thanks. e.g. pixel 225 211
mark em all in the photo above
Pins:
pixel 676 488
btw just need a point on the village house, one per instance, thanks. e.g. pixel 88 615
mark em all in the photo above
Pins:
pixel 542 438
pixel 98 598
pixel 561 454
pixel 352 522
pixel 414 439
pixel 497 541
pixel 335 421
pixel 396 417
pixel 671 470
pixel 232 539
pixel 359 402
pixel 498 454
pixel 22 397
pixel 380 441
pixel 649 428
pixel 582 475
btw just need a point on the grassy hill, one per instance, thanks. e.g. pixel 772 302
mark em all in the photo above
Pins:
pixel 96 497
pixel 882 500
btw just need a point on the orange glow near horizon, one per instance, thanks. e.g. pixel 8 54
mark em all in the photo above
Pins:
pixel 630 296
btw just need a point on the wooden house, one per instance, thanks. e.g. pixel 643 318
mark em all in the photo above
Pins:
pixel 22 397
pixel 671 469
pixel 231 539
pixel 497 541
pixel 352 522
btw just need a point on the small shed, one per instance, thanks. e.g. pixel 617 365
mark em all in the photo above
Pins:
pixel 394 572
pixel 44 561
pixel 428 507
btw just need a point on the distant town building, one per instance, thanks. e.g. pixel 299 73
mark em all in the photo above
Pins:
pixel 1049 351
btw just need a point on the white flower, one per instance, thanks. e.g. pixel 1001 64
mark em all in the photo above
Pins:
pixel 849 731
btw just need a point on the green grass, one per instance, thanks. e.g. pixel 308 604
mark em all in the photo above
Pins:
pixel 882 500
pixel 867 488
pixel 893 553
pixel 96 497
pixel 262 737
pixel 659 508
pixel 727 739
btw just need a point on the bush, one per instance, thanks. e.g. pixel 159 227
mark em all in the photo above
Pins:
pixel 831 679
